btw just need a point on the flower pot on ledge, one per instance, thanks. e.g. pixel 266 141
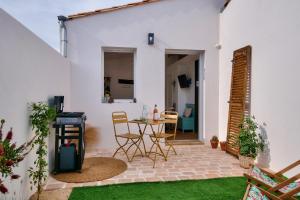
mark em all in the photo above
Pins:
pixel 246 162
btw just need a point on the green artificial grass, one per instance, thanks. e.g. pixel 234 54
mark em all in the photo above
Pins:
pixel 232 188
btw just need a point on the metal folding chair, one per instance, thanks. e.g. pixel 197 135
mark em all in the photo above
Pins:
pixel 126 140
pixel 168 117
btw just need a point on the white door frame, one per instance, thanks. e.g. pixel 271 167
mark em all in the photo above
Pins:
pixel 201 103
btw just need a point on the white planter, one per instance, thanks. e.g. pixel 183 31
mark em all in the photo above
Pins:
pixel 246 162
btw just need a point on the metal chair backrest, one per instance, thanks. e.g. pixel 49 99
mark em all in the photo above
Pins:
pixel 120 117
pixel 171 117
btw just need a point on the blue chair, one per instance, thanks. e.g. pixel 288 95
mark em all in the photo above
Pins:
pixel 187 123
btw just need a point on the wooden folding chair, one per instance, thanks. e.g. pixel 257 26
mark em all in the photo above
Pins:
pixel 126 140
pixel 286 188
pixel 257 193
pixel 169 117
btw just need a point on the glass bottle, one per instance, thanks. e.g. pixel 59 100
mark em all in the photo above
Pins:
pixel 155 113
pixel 144 113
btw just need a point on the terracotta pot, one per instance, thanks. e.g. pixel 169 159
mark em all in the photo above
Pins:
pixel 223 146
pixel 246 162
pixel 214 144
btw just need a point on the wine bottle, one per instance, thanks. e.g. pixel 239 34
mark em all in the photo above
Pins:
pixel 155 113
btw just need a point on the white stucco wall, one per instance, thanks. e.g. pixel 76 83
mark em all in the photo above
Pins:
pixel 30 71
pixel 177 24
pixel 272 28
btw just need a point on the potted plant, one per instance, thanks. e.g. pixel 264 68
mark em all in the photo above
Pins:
pixel 223 145
pixel 214 142
pixel 250 142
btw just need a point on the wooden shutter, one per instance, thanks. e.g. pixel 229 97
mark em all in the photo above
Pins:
pixel 239 103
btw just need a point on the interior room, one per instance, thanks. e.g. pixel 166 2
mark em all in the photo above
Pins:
pixel 182 70
pixel 118 76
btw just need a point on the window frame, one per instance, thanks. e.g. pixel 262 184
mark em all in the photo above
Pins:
pixel 118 50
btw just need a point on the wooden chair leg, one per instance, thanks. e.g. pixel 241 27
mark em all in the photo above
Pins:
pixel 247 191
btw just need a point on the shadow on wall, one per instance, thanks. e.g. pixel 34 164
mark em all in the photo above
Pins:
pixel 92 138
pixel 264 158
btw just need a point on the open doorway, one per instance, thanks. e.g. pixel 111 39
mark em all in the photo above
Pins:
pixel 182 91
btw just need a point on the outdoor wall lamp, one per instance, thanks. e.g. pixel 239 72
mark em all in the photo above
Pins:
pixel 150 38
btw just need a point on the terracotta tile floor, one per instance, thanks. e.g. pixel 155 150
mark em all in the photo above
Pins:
pixel 192 162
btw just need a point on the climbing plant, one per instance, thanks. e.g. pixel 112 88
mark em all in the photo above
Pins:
pixel 41 117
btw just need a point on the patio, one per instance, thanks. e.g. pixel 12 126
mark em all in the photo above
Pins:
pixel 192 162
pixel 235 65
